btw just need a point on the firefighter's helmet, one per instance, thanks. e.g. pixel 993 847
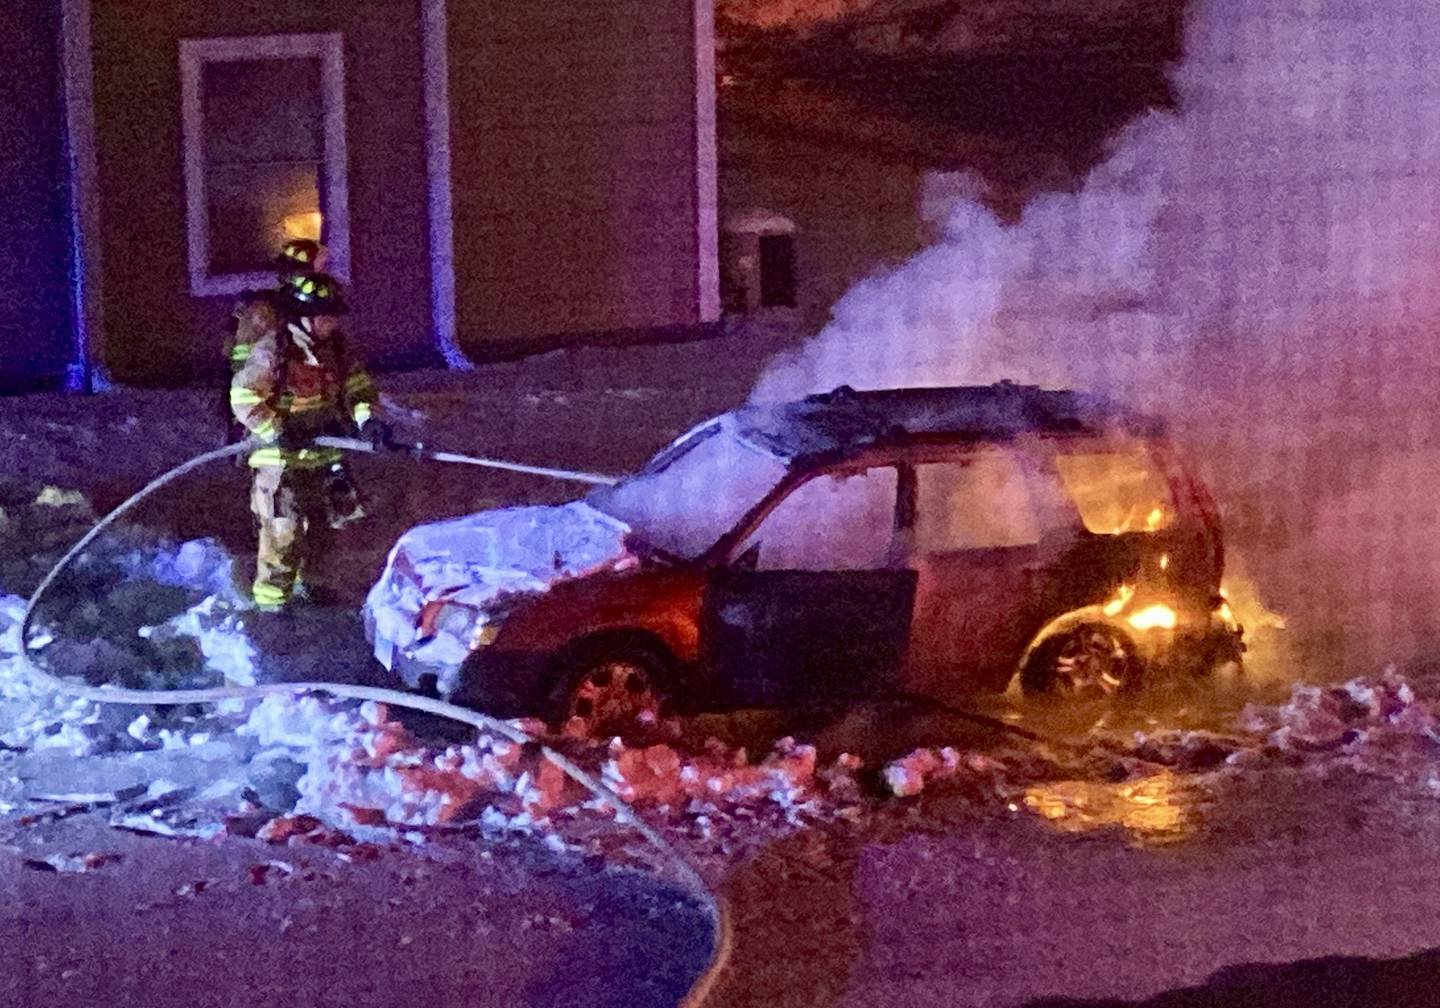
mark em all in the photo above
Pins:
pixel 313 294
pixel 298 256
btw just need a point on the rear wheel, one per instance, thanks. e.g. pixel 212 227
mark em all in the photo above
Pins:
pixel 613 687
pixel 1092 661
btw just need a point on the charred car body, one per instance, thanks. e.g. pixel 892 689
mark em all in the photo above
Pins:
pixel 927 542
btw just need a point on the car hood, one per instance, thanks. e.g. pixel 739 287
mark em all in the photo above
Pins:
pixel 476 558
pixel 485 559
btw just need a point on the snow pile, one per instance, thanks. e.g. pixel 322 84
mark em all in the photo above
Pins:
pixel 53 496
pixel 134 611
pixel 364 769
pixel 478 561
pixel 981 775
pixel 217 628
pixel 1188 750
pixel 719 779
pixel 1376 726
pixel 909 775
pixel 300 722
pixel 1361 713
pixel 33 716
pixel 378 774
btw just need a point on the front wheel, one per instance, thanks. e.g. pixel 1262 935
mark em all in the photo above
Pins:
pixel 612 689
pixel 1092 661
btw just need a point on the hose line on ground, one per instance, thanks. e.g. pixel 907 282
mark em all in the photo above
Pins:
pixel 714 903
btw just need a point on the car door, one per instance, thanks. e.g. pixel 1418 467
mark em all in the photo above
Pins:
pixel 813 605
pixel 976 551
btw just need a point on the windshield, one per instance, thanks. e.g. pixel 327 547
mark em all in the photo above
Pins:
pixel 693 492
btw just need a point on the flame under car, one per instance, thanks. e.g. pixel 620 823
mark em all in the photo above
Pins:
pixel 852 545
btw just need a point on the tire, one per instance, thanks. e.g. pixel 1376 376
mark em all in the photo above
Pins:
pixel 1092 661
pixel 617 686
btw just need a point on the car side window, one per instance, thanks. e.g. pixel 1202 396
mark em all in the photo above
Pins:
pixel 839 521
pixel 1116 491
pixel 981 501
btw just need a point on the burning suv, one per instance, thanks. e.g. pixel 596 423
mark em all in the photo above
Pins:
pixel 925 542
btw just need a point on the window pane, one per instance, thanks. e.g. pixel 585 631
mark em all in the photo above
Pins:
pixel 262 111
pixel 1117 492
pixel 980 502
pixel 840 522
pixel 253 210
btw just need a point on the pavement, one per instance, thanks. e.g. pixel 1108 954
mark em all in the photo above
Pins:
pixel 162 922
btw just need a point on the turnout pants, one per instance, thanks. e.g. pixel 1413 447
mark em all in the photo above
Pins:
pixel 285 503
pixel 294 506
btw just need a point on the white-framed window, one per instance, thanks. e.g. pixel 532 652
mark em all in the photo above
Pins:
pixel 265 160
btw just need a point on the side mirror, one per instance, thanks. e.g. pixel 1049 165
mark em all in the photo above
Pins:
pixel 748 560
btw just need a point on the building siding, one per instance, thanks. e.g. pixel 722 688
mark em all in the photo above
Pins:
pixel 854 213
pixel 156 333
pixel 574 168
pixel 35 313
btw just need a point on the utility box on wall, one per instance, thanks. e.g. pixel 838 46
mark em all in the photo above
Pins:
pixel 758 264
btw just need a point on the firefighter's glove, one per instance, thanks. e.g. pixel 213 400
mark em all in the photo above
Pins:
pixel 290 441
pixel 378 433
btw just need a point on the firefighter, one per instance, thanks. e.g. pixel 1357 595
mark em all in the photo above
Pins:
pixel 297 383
pixel 257 312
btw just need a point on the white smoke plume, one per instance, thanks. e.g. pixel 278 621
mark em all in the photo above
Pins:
pixel 1261 268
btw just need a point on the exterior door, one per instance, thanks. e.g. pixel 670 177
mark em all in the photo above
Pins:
pixel 813 607
pixel 976 551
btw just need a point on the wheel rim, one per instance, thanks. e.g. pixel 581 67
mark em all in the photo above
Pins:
pixel 1092 663
pixel 613 696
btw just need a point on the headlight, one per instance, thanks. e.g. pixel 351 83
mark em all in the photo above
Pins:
pixel 462 622
pixel 484 635
pixel 455 620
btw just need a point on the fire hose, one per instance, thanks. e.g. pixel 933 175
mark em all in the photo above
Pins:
pixel 421 452
pixel 714 903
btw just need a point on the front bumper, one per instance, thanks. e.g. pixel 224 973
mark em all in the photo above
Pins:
pixel 413 671
pixel 500 683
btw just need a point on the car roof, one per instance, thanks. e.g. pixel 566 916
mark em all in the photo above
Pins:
pixel 846 420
